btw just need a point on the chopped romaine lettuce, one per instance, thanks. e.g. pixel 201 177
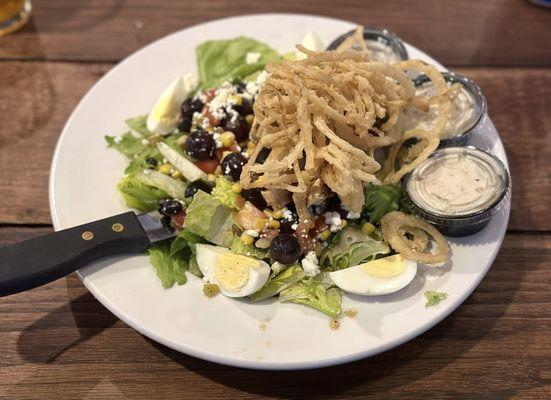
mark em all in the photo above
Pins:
pixel 351 247
pixel 316 294
pixel 174 187
pixel 169 269
pixel 223 191
pixel 127 144
pixel 140 195
pixel 279 282
pixel 434 297
pixel 225 60
pixel 207 217
pixel 187 168
pixel 184 245
pixel 139 125
pixel 249 250
pixel 380 200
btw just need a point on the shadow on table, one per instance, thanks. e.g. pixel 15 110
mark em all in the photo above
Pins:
pixel 441 345
pixel 34 350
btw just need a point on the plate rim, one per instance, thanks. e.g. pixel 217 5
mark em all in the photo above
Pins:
pixel 222 359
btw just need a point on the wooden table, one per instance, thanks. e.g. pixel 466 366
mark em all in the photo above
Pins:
pixel 58 342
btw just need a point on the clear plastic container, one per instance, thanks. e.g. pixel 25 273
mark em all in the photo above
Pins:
pixel 382 45
pixel 458 189
pixel 472 90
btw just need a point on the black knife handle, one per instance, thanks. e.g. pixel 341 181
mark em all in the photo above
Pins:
pixel 36 262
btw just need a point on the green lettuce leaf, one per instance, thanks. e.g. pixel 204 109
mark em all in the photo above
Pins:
pixel 223 191
pixel 240 247
pixel 184 245
pixel 279 282
pixel 351 247
pixel 434 297
pixel 380 200
pixel 169 269
pixel 140 195
pixel 207 217
pixel 139 125
pixel 128 145
pixel 314 293
pixel 224 60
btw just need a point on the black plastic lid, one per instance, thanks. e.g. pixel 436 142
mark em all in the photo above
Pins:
pixel 382 36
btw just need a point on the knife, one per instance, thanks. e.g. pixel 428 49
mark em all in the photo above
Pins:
pixel 38 261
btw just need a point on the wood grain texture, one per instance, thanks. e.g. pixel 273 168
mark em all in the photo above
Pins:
pixel 40 97
pixel 464 32
pixel 59 342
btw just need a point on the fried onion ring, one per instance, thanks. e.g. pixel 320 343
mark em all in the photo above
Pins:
pixel 394 227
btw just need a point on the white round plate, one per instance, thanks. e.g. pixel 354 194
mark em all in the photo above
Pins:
pixel 267 335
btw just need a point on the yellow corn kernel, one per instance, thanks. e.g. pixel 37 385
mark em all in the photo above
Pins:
pixel 272 223
pixel 325 234
pixel 236 99
pixel 227 138
pixel 249 118
pixel 368 228
pixel 344 223
pixel 211 177
pixel 259 224
pixel 176 174
pixel 165 168
pixel 236 188
pixel 277 214
pixel 247 239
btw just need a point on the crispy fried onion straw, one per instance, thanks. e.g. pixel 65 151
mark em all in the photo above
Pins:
pixel 410 236
pixel 323 118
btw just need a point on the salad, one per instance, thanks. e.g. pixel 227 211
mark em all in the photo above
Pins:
pixel 266 166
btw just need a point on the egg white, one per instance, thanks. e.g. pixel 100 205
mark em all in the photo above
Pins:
pixel 165 114
pixel 357 280
pixel 207 258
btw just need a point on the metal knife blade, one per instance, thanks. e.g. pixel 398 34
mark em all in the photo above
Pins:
pixel 154 228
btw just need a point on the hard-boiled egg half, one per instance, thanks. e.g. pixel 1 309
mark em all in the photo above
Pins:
pixel 236 275
pixel 383 276
pixel 165 114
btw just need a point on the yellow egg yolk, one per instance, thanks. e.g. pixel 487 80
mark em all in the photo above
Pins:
pixel 232 270
pixel 387 267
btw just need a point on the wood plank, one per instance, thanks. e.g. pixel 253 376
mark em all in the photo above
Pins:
pixel 59 342
pixel 488 33
pixel 40 97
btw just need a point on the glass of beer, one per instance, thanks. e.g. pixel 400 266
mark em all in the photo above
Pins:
pixel 13 15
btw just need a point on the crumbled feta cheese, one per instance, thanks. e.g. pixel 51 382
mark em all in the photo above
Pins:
pixel 254 87
pixel 145 142
pixel 205 279
pixel 294 226
pixel 310 264
pixel 190 82
pixel 117 139
pixel 252 57
pixel 333 219
pixel 217 140
pixel 353 215
pixel 277 267
pixel 252 232
pixel 287 214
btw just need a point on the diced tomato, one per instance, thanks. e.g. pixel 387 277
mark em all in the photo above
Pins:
pixel 213 121
pixel 305 239
pixel 178 220
pixel 271 233
pixel 207 166
pixel 319 226
pixel 247 216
